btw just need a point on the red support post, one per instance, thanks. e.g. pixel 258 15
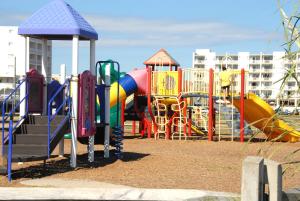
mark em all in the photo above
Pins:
pixel 149 77
pixel 179 81
pixel 133 127
pixel 210 104
pixel 185 116
pixel 242 108
pixel 149 127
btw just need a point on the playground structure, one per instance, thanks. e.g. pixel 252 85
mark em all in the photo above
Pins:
pixel 187 103
pixel 168 101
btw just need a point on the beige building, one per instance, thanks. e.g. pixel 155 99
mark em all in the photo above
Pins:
pixel 12 56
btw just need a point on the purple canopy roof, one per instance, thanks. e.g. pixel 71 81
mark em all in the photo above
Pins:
pixel 57 21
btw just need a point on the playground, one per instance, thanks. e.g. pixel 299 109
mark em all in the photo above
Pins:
pixel 158 126
pixel 159 164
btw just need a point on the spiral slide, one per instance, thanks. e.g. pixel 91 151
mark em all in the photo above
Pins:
pixel 262 116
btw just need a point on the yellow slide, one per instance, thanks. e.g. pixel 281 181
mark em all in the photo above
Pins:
pixel 262 116
pixel 196 130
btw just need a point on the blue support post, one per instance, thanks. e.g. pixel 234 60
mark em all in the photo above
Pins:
pixel 9 156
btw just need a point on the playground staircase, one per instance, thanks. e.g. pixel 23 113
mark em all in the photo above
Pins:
pixel 6 125
pixel 30 138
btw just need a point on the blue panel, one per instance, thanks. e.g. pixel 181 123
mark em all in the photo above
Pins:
pixel 52 87
pixel 100 91
pixel 128 84
pixel 57 18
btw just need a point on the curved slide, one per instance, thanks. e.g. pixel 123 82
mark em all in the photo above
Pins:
pixel 262 116
pixel 130 83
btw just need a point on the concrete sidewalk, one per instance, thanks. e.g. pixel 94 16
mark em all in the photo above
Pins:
pixel 41 193
pixel 59 189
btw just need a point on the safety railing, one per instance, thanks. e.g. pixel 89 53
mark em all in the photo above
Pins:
pixel 66 102
pixel 195 81
pixel 6 115
pixel 12 125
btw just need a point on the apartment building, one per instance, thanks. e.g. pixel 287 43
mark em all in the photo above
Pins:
pixel 12 56
pixel 263 73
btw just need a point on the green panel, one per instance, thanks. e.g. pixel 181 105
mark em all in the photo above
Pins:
pixel 113 71
pixel 113 115
pixel 114 78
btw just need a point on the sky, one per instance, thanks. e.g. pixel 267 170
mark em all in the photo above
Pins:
pixel 130 31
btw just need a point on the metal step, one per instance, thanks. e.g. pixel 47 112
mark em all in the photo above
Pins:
pixel 27 149
pixel 35 119
pixel 23 158
pixel 39 139
pixel 35 129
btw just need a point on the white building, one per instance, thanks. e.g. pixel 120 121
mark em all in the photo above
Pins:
pixel 263 73
pixel 12 56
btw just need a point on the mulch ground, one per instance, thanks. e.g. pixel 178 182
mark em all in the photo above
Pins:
pixel 149 163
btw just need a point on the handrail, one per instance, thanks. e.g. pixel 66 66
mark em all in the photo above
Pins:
pixel 67 101
pixel 5 116
pixel 11 123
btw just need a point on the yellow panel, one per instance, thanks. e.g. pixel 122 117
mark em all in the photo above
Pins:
pixel 166 83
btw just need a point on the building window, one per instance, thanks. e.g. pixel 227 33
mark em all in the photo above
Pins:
pixel 39 47
pixel 268 57
pixel 235 67
pixel 234 58
pixel 39 68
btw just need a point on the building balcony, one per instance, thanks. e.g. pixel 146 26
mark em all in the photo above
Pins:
pixel 291 87
pixel 254 61
pixel 254 87
pixel 267 70
pixel 266 88
pixel 253 79
pixel 199 61
pixel 267 78
pixel 254 70
pixel 267 61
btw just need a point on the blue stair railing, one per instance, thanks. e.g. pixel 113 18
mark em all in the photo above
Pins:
pixel 65 88
pixel 12 126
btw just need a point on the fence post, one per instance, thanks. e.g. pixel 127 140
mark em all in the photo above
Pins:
pixel 252 179
pixel 257 172
pixel 273 177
